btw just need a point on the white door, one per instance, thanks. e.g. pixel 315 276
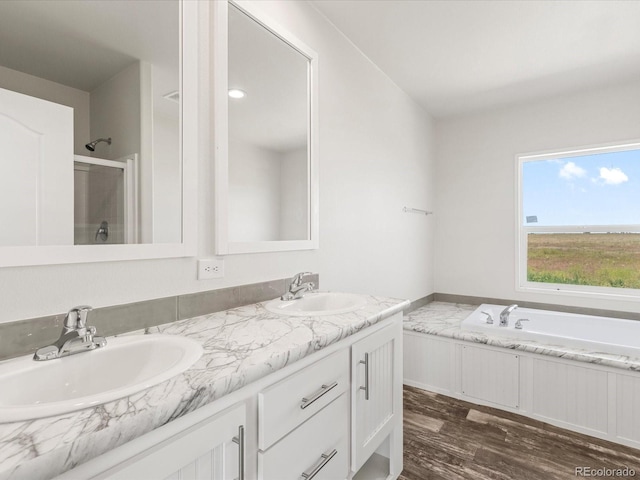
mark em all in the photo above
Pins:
pixel 36 171
pixel 211 450
pixel 376 391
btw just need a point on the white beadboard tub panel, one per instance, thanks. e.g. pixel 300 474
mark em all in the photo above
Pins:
pixel 490 376
pixel 628 408
pixel 571 394
pixel 596 400
pixel 429 361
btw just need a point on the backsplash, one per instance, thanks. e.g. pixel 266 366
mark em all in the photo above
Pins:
pixel 26 336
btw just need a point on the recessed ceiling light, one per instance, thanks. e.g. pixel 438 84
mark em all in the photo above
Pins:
pixel 236 93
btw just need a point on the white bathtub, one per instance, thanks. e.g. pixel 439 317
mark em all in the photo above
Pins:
pixel 598 334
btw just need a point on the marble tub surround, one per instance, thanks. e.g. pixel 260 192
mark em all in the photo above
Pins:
pixel 241 345
pixel 445 319
pixel 24 337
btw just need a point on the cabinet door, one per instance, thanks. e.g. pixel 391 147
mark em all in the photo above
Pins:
pixel 207 451
pixel 376 390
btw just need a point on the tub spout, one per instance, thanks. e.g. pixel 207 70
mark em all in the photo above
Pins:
pixel 504 315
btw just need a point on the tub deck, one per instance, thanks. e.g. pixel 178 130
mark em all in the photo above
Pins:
pixel 445 320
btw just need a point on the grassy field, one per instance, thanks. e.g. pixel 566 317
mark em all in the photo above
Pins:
pixel 607 259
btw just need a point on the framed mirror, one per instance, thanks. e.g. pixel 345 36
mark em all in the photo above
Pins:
pixel 98 130
pixel 265 132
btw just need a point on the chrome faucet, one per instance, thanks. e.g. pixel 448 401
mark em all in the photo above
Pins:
pixel 297 289
pixel 76 336
pixel 504 315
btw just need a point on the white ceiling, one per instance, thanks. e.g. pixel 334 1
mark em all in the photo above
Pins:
pixel 468 55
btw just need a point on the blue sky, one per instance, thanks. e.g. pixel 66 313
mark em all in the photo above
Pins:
pixel 601 189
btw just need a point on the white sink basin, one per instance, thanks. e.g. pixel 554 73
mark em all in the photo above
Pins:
pixel 126 365
pixel 318 303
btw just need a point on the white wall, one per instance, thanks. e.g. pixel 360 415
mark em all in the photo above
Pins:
pixel 267 193
pixel 294 201
pixel 254 193
pixel 375 158
pixel 476 192
pixel 167 221
pixel 54 92
pixel 115 113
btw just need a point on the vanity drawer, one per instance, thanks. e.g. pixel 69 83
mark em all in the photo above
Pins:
pixel 320 444
pixel 282 407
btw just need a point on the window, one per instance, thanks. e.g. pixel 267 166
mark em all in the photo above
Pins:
pixel 579 221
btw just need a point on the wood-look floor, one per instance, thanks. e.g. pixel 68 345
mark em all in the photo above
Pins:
pixel 449 439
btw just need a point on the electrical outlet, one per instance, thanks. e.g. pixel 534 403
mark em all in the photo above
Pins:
pixel 210 268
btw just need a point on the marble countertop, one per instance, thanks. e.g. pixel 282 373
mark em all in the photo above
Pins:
pixel 241 346
pixel 445 319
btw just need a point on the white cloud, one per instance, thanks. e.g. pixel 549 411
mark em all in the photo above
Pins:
pixel 571 170
pixel 613 176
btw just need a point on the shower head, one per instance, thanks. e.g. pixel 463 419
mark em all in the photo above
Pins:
pixel 91 146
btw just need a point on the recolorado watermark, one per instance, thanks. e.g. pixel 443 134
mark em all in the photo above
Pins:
pixel 622 472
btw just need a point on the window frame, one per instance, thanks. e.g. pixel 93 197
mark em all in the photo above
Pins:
pixel 522 231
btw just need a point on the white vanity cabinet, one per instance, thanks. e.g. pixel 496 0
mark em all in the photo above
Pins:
pixel 311 419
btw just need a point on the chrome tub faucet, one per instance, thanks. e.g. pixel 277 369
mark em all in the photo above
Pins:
pixel 76 336
pixel 297 289
pixel 504 315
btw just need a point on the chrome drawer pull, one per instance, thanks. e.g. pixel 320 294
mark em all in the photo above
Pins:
pixel 240 441
pixel 366 376
pixel 324 389
pixel 324 459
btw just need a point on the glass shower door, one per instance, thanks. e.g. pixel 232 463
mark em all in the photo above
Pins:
pixel 106 200
pixel 99 204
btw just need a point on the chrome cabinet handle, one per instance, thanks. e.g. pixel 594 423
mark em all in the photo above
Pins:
pixel 366 376
pixel 324 389
pixel 240 441
pixel 324 459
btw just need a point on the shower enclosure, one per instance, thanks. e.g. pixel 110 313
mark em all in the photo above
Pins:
pixel 105 200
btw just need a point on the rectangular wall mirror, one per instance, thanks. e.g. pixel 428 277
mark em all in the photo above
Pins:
pixel 265 133
pixel 97 138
